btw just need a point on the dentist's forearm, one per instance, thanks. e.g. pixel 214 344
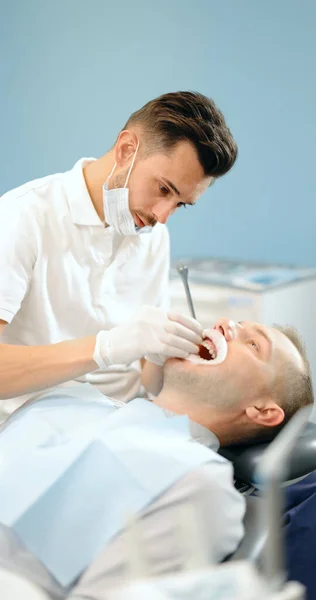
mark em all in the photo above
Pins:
pixel 152 377
pixel 28 369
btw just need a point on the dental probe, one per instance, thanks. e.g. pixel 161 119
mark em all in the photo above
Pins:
pixel 183 272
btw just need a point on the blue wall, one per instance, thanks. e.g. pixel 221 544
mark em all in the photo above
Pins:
pixel 73 70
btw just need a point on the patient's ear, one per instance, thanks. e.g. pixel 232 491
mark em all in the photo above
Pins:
pixel 269 414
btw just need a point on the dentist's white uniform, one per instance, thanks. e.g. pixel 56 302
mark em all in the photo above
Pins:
pixel 63 275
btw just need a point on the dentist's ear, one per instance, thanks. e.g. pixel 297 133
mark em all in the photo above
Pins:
pixel 269 414
pixel 125 148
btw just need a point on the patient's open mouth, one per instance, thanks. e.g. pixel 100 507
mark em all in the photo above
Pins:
pixel 213 349
pixel 207 350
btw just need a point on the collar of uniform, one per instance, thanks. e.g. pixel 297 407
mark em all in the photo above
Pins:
pixel 199 433
pixel 80 204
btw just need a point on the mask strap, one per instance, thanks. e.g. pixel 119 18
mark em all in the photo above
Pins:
pixel 132 164
pixel 109 177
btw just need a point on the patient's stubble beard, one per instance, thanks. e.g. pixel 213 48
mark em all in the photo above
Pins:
pixel 199 386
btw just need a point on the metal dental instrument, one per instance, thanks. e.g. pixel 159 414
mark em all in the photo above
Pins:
pixel 183 272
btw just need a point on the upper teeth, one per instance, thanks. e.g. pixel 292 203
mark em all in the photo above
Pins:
pixel 216 345
pixel 210 347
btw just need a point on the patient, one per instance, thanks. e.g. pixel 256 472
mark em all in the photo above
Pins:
pixel 103 464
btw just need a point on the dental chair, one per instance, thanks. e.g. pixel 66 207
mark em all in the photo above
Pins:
pixel 245 460
pixel 246 457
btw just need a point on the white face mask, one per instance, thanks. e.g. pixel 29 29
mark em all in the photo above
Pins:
pixel 116 207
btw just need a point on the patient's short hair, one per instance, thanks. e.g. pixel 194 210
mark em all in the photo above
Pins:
pixel 192 117
pixel 293 389
pixel 296 388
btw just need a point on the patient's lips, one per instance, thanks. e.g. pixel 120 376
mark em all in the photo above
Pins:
pixel 213 349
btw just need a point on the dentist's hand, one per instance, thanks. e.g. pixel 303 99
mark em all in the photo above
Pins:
pixel 187 335
pixel 152 334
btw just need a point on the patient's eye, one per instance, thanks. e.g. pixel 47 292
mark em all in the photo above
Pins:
pixel 254 345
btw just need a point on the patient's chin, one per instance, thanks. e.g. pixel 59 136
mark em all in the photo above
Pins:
pixel 172 362
pixel 176 368
pixel 175 365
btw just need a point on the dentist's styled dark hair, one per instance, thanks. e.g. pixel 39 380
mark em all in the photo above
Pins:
pixel 192 117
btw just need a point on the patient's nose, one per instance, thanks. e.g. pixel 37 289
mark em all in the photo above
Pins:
pixel 227 327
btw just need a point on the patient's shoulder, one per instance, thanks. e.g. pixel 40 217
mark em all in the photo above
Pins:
pixel 210 486
pixel 219 508
pixel 213 477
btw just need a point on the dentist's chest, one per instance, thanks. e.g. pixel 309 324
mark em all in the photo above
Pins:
pixel 102 278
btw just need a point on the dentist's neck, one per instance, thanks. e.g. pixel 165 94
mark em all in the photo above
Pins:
pixel 95 174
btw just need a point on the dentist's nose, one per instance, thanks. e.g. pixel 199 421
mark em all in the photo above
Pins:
pixel 227 328
pixel 162 212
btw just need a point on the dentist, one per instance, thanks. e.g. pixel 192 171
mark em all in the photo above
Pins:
pixel 84 256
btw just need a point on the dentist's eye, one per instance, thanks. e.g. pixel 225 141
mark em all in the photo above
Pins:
pixel 181 204
pixel 164 190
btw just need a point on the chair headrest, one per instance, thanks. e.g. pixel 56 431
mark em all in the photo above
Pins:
pixel 245 458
